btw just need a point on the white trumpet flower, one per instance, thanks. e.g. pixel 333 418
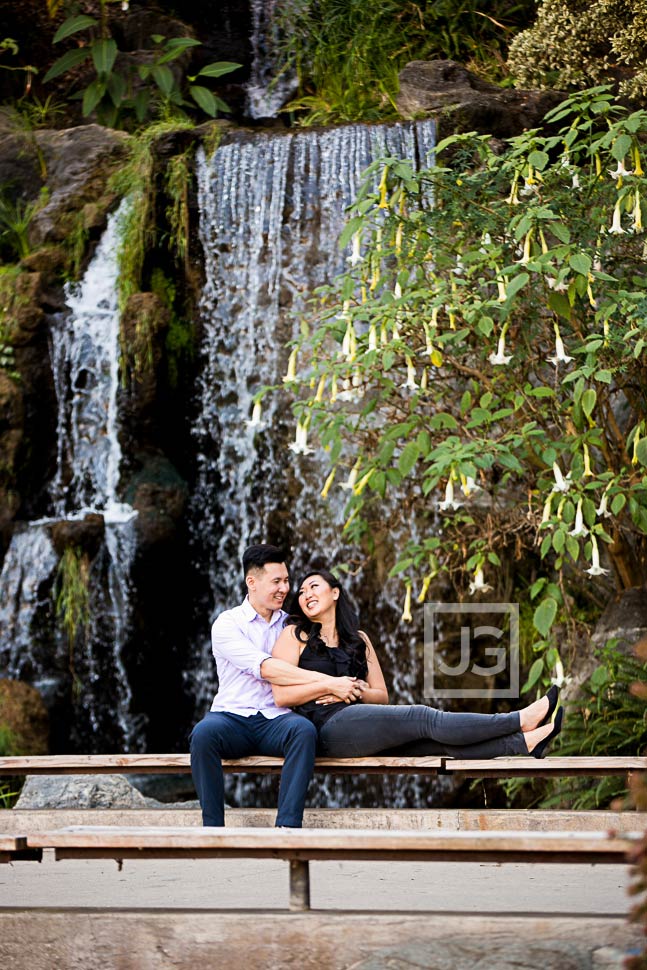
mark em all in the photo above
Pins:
pixel 561 357
pixel 450 502
pixel 351 481
pixel 602 511
pixel 501 357
pixel 410 383
pixel 616 223
pixel 300 444
pixel 479 585
pixel 255 420
pixel 356 255
pixel 561 484
pixel 595 569
pixel 579 529
pixel 619 171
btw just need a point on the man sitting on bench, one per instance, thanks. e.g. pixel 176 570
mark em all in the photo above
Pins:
pixel 244 720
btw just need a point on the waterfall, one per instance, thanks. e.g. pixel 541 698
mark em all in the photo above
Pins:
pixel 272 208
pixel 84 350
pixel 267 90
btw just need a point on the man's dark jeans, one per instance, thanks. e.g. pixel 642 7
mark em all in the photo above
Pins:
pixel 224 735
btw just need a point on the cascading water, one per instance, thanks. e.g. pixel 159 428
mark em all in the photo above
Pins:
pixel 272 208
pixel 267 89
pixel 85 364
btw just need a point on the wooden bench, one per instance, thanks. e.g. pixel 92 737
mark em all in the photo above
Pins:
pixel 300 846
pixel 14 847
pixel 181 764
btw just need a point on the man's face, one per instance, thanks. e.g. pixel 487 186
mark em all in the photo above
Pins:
pixel 268 586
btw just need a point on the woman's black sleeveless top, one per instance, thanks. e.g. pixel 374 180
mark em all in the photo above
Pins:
pixel 335 662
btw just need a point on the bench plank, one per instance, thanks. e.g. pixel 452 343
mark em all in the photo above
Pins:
pixel 181 764
pixel 306 844
pixel 543 767
pixel 13 847
pixel 259 764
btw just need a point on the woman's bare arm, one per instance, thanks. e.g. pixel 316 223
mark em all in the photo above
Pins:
pixel 290 693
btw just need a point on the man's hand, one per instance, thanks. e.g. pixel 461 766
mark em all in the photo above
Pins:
pixel 345 689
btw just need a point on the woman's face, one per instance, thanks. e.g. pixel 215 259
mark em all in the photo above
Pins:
pixel 317 597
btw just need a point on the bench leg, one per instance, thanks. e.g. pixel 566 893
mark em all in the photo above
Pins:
pixel 299 885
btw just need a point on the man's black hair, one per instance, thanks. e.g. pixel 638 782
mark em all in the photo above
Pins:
pixel 257 556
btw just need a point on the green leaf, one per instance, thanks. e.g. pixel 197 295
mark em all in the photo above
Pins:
pixel 559 303
pixel 104 54
pixel 400 567
pixel 538 160
pixel 641 451
pixel 588 401
pixel 141 102
pixel 545 615
pixel 534 674
pixel 67 62
pixel 218 68
pixel 605 376
pixel 72 25
pixel 621 146
pixel 561 231
pixel 92 95
pixel 466 402
pixel 163 77
pixel 117 89
pixel 537 587
pixel 204 98
pixel 515 284
pixel 559 539
pixel 573 547
pixel 618 503
pixel 408 457
pixel 581 263
pixel 442 421
pixel 349 230
pixel 599 678
pixel 388 357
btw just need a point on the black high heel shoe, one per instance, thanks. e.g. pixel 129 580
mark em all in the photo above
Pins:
pixel 553 697
pixel 538 750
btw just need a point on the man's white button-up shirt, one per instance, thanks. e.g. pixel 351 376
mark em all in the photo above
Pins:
pixel 241 640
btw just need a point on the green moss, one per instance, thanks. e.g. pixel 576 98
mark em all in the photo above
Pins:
pixel 72 597
pixel 180 336
pixel 135 180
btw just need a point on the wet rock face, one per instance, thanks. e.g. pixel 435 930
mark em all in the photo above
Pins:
pixel 23 714
pixel 72 166
pixel 467 103
pixel 86 534
pixel 624 619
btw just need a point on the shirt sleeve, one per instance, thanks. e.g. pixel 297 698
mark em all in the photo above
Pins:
pixel 229 641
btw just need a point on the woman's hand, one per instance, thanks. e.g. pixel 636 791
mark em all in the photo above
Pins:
pixel 346 689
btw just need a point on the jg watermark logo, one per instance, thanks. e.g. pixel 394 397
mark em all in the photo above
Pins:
pixel 471 650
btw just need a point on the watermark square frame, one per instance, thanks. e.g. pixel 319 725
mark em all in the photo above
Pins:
pixel 504 647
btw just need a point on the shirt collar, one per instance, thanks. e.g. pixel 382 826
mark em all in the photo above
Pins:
pixel 250 613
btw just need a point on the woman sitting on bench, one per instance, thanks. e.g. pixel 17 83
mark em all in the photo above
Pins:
pixel 322 633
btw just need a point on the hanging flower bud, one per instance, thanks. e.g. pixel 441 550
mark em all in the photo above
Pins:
pixel 328 483
pixel 406 612
pixel 292 368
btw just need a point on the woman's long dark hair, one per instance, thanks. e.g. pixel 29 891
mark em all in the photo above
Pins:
pixel 346 621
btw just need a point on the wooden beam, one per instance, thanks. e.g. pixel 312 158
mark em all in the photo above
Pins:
pixel 351 844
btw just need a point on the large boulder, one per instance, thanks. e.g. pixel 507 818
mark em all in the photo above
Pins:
pixel 82 791
pixel 624 619
pixel 24 725
pixel 465 102
pixel 66 172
